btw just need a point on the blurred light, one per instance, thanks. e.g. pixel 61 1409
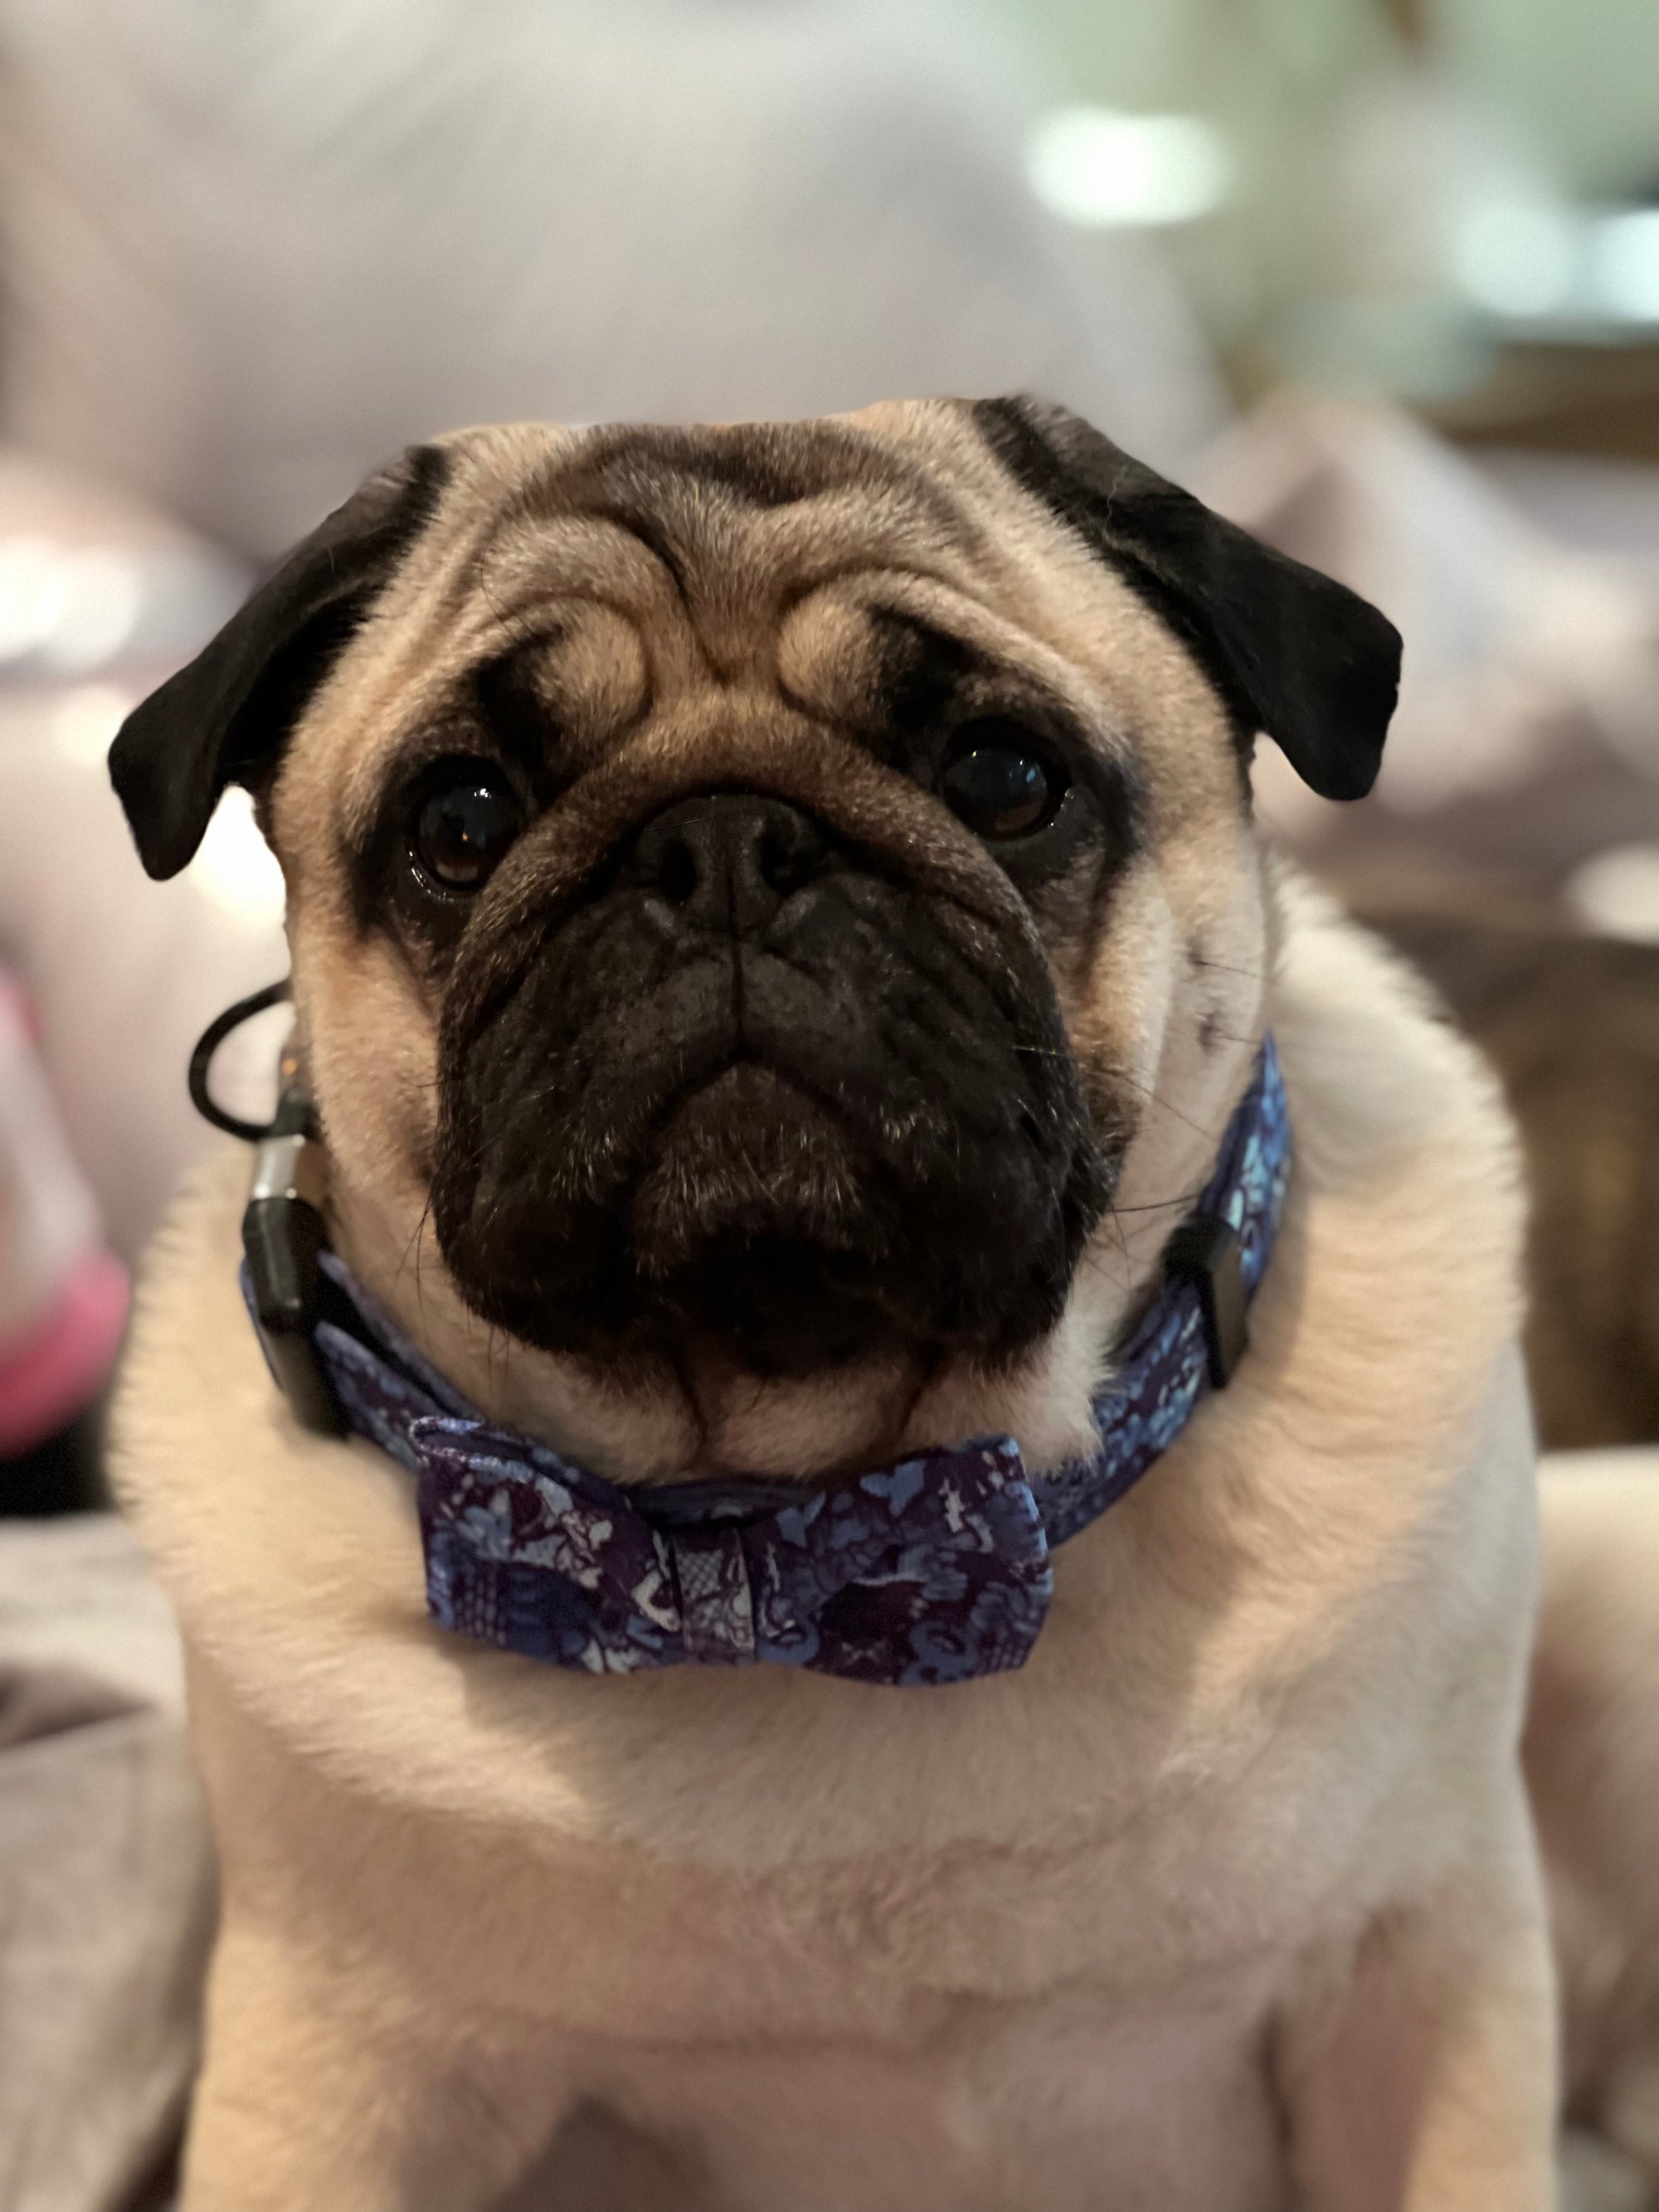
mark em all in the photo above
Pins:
pixel 84 722
pixel 103 601
pixel 235 867
pixel 34 587
pixel 1617 892
pixel 1100 167
pixel 1517 258
pixel 1624 265
pixel 68 608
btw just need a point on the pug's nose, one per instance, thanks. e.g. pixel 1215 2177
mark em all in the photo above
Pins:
pixel 728 859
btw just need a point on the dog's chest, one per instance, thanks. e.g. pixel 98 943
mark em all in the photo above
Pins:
pixel 983 2026
pixel 1075 2098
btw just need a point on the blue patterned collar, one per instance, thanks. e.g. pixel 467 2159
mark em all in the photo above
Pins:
pixel 936 1570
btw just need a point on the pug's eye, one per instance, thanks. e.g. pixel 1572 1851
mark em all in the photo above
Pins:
pixel 996 782
pixel 464 826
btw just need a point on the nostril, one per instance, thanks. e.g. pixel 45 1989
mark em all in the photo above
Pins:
pixel 776 861
pixel 726 860
pixel 788 858
pixel 676 873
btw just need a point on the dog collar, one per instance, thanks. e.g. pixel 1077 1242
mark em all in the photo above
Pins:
pixel 936 1570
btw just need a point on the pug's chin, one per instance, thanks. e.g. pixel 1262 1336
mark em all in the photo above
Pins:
pixel 757 1242
pixel 763 1226
pixel 752 1242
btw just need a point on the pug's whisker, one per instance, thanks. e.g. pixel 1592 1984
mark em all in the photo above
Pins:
pixel 1228 968
pixel 504 621
pixel 1123 1237
pixel 497 1336
pixel 1210 1131
pixel 421 1227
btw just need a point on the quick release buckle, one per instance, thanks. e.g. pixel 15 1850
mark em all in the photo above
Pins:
pixel 284 1233
pixel 1205 1251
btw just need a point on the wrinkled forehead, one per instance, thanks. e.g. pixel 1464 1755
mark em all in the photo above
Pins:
pixel 720 530
pixel 629 566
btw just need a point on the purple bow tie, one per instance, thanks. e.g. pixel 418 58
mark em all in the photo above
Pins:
pixel 936 1570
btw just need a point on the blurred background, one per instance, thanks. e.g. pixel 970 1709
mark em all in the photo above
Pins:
pixel 1379 278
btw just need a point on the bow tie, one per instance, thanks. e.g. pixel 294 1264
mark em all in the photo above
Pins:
pixel 936 1570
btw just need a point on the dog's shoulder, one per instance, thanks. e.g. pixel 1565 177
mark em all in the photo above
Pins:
pixel 1325 1588
pixel 1400 1301
pixel 1388 1097
pixel 1367 1481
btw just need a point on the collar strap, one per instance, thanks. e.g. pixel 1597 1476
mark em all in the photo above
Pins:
pixel 934 1571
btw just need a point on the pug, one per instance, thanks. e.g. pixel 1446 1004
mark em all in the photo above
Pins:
pixel 896 1569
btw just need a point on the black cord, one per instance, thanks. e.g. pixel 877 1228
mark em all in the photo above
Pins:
pixel 251 1132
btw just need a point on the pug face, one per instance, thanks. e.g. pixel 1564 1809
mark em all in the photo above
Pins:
pixel 769 904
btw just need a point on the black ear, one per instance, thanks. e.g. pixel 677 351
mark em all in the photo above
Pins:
pixel 1291 652
pixel 226 717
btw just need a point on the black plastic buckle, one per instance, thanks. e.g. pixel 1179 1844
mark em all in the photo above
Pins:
pixel 1205 1251
pixel 283 1236
pixel 284 1232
